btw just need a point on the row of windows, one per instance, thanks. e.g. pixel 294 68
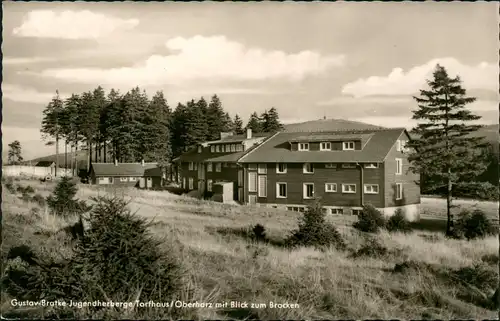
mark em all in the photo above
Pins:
pixel 224 148
pixel 325 146
pixel 308 189
pixel 334 211
pixel 210 166
pixel 110 180
pixel 308 168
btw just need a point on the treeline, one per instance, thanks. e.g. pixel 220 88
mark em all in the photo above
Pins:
pixel 132 127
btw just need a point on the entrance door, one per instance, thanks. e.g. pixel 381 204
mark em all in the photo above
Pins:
pixel 149 182
pixel 142 182
pixel 201 178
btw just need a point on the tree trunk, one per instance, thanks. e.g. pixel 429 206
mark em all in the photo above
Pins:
pixel 449 225
pixel 89 155
pixel 72 155
pixel 75 160
pixel 65 156
pixel 105 150
pixel 57 155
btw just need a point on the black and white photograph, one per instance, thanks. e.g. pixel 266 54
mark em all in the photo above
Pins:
pixel 250 160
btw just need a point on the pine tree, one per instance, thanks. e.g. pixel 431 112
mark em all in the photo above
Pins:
pixel 100 103
pixel 14 156
pixel 215 118
pixel 228 125
pixel 87 122
pixel 271 122
pixel 254 123
pixel 238 125
pixel 51 126
pixel 71 106
pixel 196 125
pixel 110 121
pixel 442 149
pixel 178 127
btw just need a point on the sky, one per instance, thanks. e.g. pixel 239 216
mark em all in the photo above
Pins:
pixel 356 61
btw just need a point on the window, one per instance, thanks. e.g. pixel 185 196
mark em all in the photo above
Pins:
pixel 209 167
pixel 262 169
pixel 195 166
pixel 281 191
pixel 399 145
pixel 191 183
pixel 281 168
pixel 183 182
pixel 348 188
pixel 210 184
pixel 348 145
pixel 123 179
pixel 330 165
pixel 233 148
pixel 111 180
pixel 356 212
pixel 348 165
pixel 303 146
pixel 191 166
pixel 308 168
pixel 371 165
pixel 252 166
pixel 212 149
pixel 371 188
pixel 239 148
pixel 252 182
pixel 308 190
pixel 200 149
pixel 228 148
pixel 325 146
pixel 337 211
pixel 399 166
pixel 403 146
pixel 217 148
pixel 399 191
pixel 262 186
pixel 218 167
pixel 133 179
pixel 330 187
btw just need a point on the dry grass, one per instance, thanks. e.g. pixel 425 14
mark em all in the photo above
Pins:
pixel 326 285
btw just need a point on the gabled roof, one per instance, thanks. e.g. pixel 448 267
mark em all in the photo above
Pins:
pixel 44 163
pixel 236 138
pixel 126 169
pixel 277 148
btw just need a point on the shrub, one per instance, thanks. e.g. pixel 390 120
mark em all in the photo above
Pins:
pixel 39 199
pixel 398 222
pixel 473 225
pixel 315 231
pixel 369 220
pixel 62 201
pixel 371 248
pixel 25 190
pixel 9 185
pixel 116 247
pixel 259 232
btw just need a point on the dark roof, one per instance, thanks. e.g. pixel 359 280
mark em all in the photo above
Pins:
pixel 277 148
pixel 45 163
pixel 331 137
pixel 327 125
pixel 126 169
pixel 236 138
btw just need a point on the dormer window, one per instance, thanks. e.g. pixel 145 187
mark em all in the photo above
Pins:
pixel 239 148
pixel 348 146
pixel 233 148
pixel 303 146
pixel 217 148
pixel 212 149
pixel 325 146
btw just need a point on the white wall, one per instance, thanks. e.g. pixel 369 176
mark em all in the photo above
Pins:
pixel 33 171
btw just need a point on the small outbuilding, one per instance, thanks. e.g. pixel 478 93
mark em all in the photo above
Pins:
pixel 141 175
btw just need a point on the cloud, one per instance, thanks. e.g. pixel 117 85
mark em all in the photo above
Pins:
pixel 71 25
pixel 25 60
pixel 26 94
pixel 368 100
pixel 207 59
pixel 399 82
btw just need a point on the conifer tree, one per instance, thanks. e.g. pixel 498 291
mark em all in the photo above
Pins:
pixel 14 156
pixel 215 118
pixel 238 125
pixel 254 123
pixel 271 122
pixel 442 148
pixel 51 125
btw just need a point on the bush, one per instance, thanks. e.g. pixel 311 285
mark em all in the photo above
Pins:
pixel 369 220
pixel 371 248
pixel 259 232
pixel 398 222
pixel 473 225
pixel 315 231
pixel 39 199
pixel 116 248
pixel 62 201
pixel 9 185
pixel 25 190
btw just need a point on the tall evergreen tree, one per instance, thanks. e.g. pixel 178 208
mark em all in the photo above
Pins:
pixel 178 127
pixel 111 121
pixel 238 125
pixel 87 114
pixel 254 123
pixel 197 127
pixel 14 156
pixel 443 149
pixel 71 106
pixel 216 119
pixel 51 126
pixel 99 101
pixel 271 122
pixel 159 130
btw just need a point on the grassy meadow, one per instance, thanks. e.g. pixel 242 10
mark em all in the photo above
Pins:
pixel 445 279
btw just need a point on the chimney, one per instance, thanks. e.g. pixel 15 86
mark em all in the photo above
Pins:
pixel 249 133
pixel 142 162
pixel 116 162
